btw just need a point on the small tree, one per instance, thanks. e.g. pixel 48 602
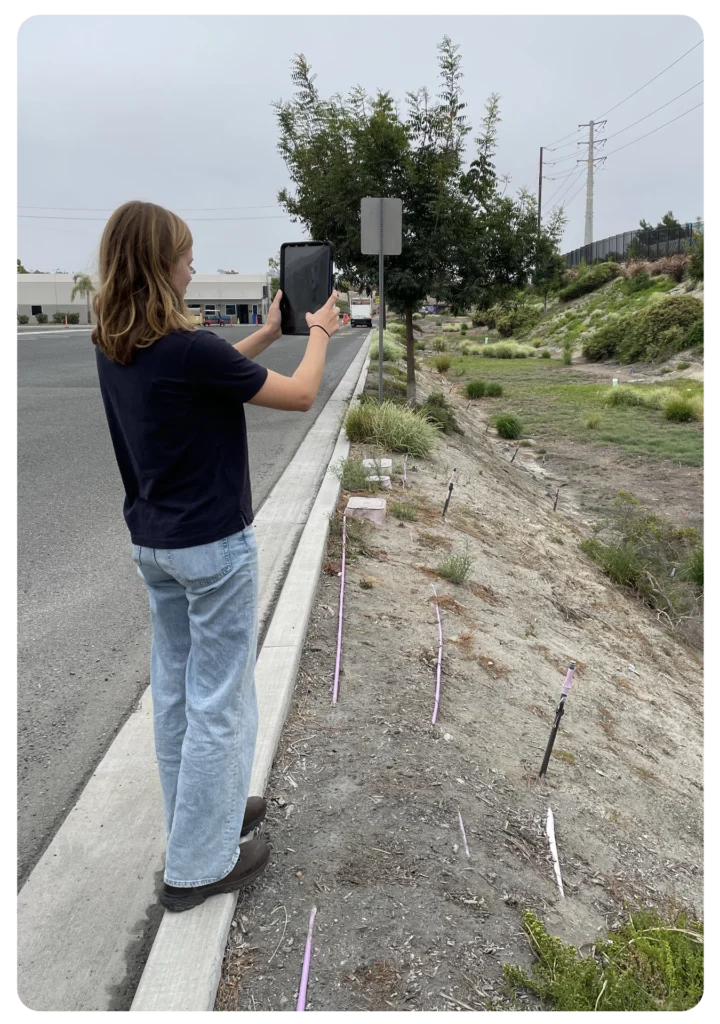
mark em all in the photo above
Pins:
pixel 83 286
pixel 461 236
pixel 20 268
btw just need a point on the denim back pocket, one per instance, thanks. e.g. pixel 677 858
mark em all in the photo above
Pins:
pixel 198 566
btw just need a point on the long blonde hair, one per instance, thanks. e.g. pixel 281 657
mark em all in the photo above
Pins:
pixel 137 301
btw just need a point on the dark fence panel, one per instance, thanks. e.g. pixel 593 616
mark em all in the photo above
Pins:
pixel 649 244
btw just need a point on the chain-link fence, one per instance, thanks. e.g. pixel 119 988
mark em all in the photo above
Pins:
pixel 649 244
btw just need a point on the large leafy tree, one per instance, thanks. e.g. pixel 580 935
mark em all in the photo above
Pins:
pixel 463 239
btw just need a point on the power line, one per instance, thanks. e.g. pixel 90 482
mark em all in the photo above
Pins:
pixel 567 203
pixel 550 147
pixel 654 130
pixel 183 209
pixel 655 111
pixel 562 189
pixel 648 83
pixel 209 220
pixel 564 137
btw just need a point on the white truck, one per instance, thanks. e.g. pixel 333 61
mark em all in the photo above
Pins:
pixel 360 312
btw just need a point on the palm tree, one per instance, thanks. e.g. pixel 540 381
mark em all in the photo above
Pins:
pixel 83 286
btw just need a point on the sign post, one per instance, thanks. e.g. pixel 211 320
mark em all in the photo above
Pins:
pixel 381 235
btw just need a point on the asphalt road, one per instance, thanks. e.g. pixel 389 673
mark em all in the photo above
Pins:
pixel 83 621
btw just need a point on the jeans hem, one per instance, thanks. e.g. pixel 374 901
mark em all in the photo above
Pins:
pixel 205 881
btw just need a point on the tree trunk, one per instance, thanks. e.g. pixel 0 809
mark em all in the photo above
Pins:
pixel 410 339
pixel 87 302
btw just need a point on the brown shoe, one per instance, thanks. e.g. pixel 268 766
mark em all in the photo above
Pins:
pixel 253 858
pixel 255 811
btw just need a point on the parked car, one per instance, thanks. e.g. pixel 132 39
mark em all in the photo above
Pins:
pixel 215 320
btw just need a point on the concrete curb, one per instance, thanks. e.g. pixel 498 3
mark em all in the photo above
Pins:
pixel 77 935
pixel 184 966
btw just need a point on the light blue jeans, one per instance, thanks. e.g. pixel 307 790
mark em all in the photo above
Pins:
pixel 203 604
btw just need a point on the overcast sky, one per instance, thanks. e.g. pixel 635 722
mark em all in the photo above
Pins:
pixel 177 110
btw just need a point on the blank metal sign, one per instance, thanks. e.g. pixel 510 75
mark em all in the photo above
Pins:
pixel 370 226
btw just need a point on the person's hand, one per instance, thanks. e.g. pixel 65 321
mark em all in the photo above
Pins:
pixel 273 324
pixel 326 317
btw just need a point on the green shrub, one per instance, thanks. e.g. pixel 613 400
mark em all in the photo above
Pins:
pixel 693 569
pixel 589 279
pixel 624 395
pixel 649 963
pixel 353 475
pixel 545 354
pixel 493 389
pixel 516 317
pixel 397 327
pixel 604 342
pixel 667 344
pixel 403 510
pixel 639 283
pixel 392 352
pixel 683 366
pixel 508 426
pixel 438 343
pixel 679 409
pixel 73 318
pixel 392 427
pixel 640 553
pixel 438 410
pixel 645 326
pixel 23 318
pixel 567 354
pixel 463 327
pixel 442 363
pixel 58 317
pixel 420 345
pixel 475 389
pixel 696 268
pixel 42 318
pixel 455 568
pixel 506 350
pixel 695 333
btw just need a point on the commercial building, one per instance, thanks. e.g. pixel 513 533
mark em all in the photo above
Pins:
pixel 243 297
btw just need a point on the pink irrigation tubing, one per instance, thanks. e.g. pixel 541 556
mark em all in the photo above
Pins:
pixel 302 993
pixel 336 681
pixel 462 830
pixel 440 648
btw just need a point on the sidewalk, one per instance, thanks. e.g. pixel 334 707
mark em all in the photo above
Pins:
pixel 87 913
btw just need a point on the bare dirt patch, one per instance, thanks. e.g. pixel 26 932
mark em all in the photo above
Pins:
pixel 365 796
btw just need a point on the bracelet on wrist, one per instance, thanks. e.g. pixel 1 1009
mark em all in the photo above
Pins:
pixel 321 328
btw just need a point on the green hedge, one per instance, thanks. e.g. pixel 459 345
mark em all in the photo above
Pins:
pixel 42 318
pixel 589 279
pixel 23 318
pixel 653 333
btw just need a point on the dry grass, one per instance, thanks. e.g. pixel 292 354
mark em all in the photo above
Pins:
pixel 493 667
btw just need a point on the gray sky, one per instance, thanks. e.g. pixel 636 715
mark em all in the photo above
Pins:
pixel 177 110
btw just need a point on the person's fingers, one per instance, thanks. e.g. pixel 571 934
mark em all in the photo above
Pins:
pixel 332 300
pixel 278 296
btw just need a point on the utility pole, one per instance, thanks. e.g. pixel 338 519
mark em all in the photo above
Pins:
pixel 591 161
pixel 540 176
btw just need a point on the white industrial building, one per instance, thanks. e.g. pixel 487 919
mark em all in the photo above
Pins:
pixel 243 297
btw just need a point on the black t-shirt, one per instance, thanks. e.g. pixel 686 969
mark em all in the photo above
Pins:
pixel 178 429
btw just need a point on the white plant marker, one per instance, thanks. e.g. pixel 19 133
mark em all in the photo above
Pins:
pixel 550 829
